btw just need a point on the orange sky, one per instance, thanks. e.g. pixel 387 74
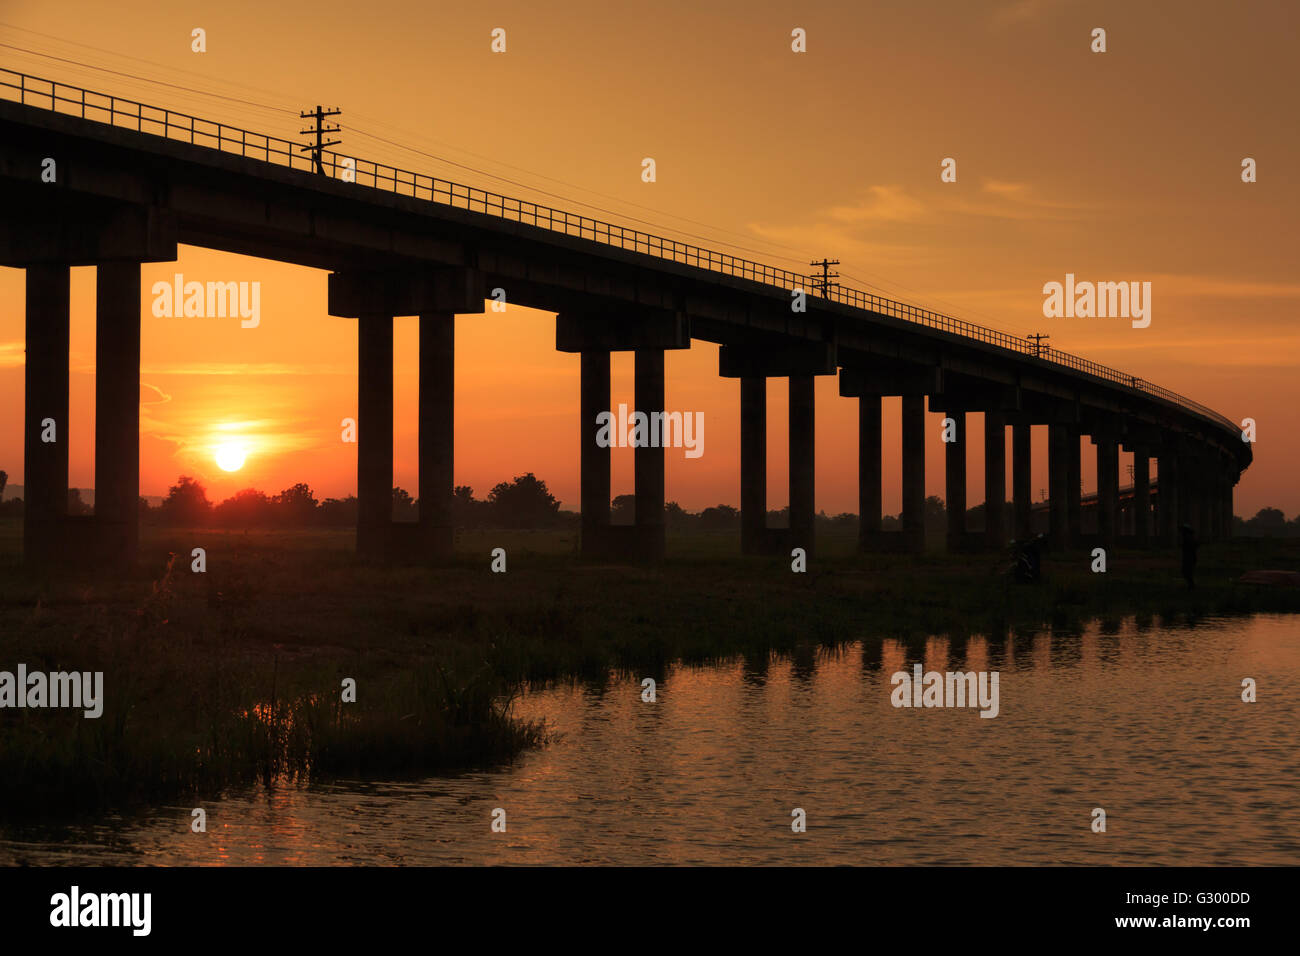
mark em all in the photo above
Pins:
pixel 1116 166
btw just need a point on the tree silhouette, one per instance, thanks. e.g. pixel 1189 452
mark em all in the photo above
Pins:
pixel 523 503
pixel 404 508
pixel 622 509
pixel 296 505
pixel 186 502
pixel 466 510
pixel 247 508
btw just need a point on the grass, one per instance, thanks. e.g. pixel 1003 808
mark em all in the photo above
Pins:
pixel 219 679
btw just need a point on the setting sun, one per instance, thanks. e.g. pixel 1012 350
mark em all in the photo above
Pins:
pixel 230 456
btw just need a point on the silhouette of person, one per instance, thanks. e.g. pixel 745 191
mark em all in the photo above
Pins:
pixel 1029 560
pixel 1190 545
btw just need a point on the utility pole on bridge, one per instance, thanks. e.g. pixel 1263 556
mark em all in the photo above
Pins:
pixel 825 284
pixel 1038 343
pixel 319 116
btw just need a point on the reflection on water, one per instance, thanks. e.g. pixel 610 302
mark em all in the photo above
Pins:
pixel 1147 723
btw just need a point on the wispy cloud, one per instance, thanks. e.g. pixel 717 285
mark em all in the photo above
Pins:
pixel 162 398
pixel 248 368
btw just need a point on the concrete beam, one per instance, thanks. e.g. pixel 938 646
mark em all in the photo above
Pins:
pixel 859 381
pixel 413 292
pixel 87 234
pixel 621 330
pixel 782 360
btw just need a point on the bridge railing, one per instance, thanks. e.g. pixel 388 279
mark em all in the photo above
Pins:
pixel 170 124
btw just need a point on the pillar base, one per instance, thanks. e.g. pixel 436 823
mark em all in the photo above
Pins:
pixel 645 544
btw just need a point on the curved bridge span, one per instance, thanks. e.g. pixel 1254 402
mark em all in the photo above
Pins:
pixel 134 181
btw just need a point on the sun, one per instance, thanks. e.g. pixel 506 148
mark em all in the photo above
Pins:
pixel 230 456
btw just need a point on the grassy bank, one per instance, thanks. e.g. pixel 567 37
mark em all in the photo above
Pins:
pixel 216 679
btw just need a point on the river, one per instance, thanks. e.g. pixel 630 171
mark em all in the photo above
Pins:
pixel 1145 723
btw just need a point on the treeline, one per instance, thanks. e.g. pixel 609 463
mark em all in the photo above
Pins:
pixel 1267 523
pixel 523 502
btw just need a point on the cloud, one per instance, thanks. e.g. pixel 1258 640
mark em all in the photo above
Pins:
pixel 884 204
pixel 12 355
pixel 163 397
pixel 248 368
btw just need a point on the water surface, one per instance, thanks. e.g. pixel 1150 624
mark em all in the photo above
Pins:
pixel 1146 723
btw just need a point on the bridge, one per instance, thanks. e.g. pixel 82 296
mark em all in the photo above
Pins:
pixel 134 181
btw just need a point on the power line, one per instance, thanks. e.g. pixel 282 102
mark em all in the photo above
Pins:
pixel 175 86
pixel 412 137
pixel 137 59
pixel 553 195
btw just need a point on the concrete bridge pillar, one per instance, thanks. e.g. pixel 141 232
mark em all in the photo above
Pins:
pixel 45 463
pixel 954 456
pixel 1206 496
pixel 1229 519
pixel 1168 507
pixel 594 330
pixel 115 238
pixel 753 463
pixel 374 298
pixel 802 470
pixel 995 479
pixel 374 434
pixel 1107 489
pixel 117 411
pixel 437 403
pixel 595 460
pixel 649 459
pixel 1058 453
pixel 1141 496
pixel 1186 492
pixel 1021 479
pixel 869 471
pixel 1074 485
pixel 753 363
pixel 913 422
